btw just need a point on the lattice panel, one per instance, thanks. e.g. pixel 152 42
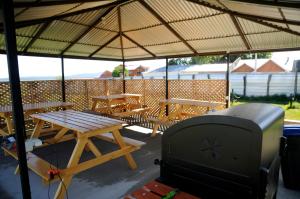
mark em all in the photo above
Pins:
pixel 4 94
pixel 207 90
pixel 136 86
pixel 77 92
pixel 115 86
pixel 155 90
pixel 95 88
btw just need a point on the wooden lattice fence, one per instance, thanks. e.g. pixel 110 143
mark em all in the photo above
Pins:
pixel 81 91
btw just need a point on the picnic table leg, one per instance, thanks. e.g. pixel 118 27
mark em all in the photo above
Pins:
pixel 94 105
pixel 75 157
pixel 121 143
pixel 154 131
pixel 37 129
pixel 9 125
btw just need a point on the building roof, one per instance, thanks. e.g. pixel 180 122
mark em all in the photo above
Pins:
pixel 106 74
pixel 147 29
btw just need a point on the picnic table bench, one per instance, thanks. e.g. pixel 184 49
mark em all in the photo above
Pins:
pixel 157 190
pixel 178 113
pixel 6 112
pixel 83 126
pixel 120 105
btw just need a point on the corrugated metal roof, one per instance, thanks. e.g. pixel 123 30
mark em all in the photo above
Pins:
pixel 193 29
pixel 154 35
pixel 165 28
pixel 63 31
pixel 97 37
pixel 234 43
pixel 274 40
pixel 182 9
pixel 134 16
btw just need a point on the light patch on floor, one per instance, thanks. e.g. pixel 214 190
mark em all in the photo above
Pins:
pixel 141 129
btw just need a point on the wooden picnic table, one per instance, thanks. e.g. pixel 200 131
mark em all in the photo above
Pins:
pixel 83 126
pixel 6 112
pixel 178 113
pixel 119 105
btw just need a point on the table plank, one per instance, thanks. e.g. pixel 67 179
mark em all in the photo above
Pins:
pixel 71 119
pixel 116 96
pixel 37 106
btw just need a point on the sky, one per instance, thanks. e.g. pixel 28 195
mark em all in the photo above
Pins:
pixel 51 67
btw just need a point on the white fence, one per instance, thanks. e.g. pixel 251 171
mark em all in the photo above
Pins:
pixel 252 84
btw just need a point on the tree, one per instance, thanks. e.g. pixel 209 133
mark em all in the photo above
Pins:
pixel 118 71
pixel 216 59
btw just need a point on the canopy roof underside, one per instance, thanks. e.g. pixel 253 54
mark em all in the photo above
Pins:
pixel 142 29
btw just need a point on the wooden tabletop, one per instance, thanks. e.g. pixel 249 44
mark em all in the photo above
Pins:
pixel 191 102
pixel 36 106
pixel 117 96
pixel 78 121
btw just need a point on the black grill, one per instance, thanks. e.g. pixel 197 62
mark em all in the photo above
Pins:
pixel 232 153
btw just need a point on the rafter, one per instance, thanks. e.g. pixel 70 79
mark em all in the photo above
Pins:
pixel 139 45
pixel 154 13
pixel 254 18
pixel 90 27
pixel 238 14
pixel 104 45
pixel 22 24
pixel 283 17
pixel 120 32
pixel 36 36
pixel 241 32
pixel 289 4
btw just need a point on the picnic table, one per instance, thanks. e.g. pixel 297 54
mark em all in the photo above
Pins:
pixel 157 190
pixel 6 112
pixel 178 112
pixel 119 105
pixel 83 127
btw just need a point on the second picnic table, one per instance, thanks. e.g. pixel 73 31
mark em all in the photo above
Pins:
pixel 6 112
pixel 119 105
pixel 178 113
pixel 83 126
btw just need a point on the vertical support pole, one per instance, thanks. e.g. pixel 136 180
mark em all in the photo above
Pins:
pixel 228 82
pixel 124 83
pixel 245 86
pixel 14 79
pixel 63 85
pixel 167 84
pixel 268 84
pixel 296 66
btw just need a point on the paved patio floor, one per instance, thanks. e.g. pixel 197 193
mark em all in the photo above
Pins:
pixel 111 180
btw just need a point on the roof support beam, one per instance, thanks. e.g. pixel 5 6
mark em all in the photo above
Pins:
pixel 22 24
pixel 121 35
pixel 277 3
pixel 139 45
pixel 241 32
pixel 283 17
pixel 90 27
pixel 254 18
pixel 37 35
pixel 238 14
pixel 101 47
pixel 51 3
pixel 154 13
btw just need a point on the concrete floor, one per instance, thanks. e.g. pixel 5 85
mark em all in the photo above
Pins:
pixel 111 180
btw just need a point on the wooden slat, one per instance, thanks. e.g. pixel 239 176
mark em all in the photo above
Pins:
pixel 98 117
pixel 131 112
pixel 118 96
pixel 37 106
pixel 109 137
pixel 36 164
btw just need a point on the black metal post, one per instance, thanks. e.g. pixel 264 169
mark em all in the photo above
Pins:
pixel 167 84
pixel 124 83
pixel 14 79
pixel 63 85
pixel 227 82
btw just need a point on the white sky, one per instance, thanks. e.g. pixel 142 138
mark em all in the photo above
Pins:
pixel 45 67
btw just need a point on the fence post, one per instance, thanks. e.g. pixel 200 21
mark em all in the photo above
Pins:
pixel 245 86
pixel 268 84
pixel 296 67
